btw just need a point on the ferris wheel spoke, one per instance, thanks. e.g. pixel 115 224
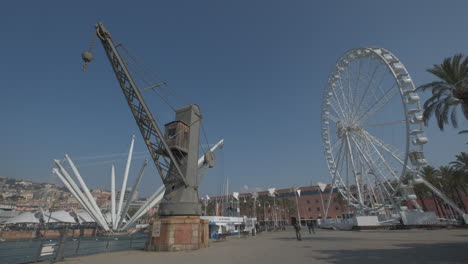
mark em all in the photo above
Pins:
pixel 356 90
pixel 386 124
pixel 345 102
pixel 343 113
pixel 374 168
pixel 379 143
pixel 389 168
pixel 336 173
pixel 374 84
pixel 381 102
pixel 369 82
pixel 358 186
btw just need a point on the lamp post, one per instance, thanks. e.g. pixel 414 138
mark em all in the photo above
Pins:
pixel 264 212
pixel 296 192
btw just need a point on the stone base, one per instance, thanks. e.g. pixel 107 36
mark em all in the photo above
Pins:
pixel 178 233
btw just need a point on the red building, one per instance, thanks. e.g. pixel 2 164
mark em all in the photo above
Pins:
pixel 311 203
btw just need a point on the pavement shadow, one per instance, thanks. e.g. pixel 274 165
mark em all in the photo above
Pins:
pixel 448 253
pixel 315 238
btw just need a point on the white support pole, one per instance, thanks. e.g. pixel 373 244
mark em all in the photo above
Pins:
pixel 130 196
pixel 86 190
pixel 201 160
pixel 113 215
pixel 152 201
pixel 124 184
pixel 91 209
pixel 73 192
pixel 297 206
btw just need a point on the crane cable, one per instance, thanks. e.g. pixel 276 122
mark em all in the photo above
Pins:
pixel 152 76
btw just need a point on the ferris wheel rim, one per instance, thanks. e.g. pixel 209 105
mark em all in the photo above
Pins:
pixel 405 87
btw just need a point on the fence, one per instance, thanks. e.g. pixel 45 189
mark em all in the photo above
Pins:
pixel 23 251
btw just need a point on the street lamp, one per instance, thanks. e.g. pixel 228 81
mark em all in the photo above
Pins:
pixel 297 192
pixel 264 213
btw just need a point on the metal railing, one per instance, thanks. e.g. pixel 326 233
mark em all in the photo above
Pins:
pixel 32 250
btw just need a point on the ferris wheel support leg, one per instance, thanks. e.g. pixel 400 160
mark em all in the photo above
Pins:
pixel 445 198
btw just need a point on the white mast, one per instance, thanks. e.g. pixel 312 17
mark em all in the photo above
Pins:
pixel 130 196
pixel 113 216
pixel 153 200
pixel 86 190
pixel 74 193
pixel 201 160
pixel 91 209
pixel 124 184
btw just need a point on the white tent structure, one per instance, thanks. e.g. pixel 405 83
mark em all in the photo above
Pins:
pixel 61 216
pixel 84 217
pixel 25 218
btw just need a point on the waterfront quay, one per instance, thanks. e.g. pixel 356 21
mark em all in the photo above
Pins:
pixel 389 246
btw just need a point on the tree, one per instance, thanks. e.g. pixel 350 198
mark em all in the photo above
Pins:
pixel 461 163
pixel 452 183
pixel 432 176
pixel 449 92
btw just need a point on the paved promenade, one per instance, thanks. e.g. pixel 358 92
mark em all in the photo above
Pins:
pixel 396 247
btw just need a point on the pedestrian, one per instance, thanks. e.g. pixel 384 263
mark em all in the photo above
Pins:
pixel 310 226
pixel 297 227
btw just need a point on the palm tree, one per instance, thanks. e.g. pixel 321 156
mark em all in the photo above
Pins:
pixel 461 163
pixel 449 92
pixel 452 183
pixel 431 175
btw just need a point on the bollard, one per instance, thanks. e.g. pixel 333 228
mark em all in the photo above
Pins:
pixel 61 247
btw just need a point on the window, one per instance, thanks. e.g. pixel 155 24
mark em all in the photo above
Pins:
pixel 316 201
pixel 337 208
pixel 171 133
pixel 310 209
pixel 318 209
pixel 308 201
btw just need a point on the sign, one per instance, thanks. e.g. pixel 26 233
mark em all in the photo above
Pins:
pixel 272 192
pixel 322 186
pixel 298 192
pixel 236 195
pixel 156 229
pixel 47 249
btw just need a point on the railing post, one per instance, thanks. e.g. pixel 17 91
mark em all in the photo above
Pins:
pixel 107 245
pixel 39 251
pixel 78 245
pixel 61 248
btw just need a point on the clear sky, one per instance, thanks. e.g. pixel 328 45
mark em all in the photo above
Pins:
pixel 256 68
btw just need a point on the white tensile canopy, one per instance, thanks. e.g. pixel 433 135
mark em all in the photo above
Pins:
pixel 84 217
pixel 61 216
pixel 26 217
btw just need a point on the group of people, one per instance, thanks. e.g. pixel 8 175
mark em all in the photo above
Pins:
pixel 297 227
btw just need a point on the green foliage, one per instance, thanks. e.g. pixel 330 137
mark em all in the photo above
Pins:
pixel 449 92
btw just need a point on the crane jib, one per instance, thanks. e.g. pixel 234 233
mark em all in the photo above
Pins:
pixel 153 137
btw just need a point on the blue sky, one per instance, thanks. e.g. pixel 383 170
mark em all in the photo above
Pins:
pixel 256 68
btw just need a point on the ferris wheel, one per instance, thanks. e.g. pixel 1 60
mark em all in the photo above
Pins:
pixel 372 130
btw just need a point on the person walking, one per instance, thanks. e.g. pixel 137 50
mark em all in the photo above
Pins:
pixel 310 226
pixel 297 227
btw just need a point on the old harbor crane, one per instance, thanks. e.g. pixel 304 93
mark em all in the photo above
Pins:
pixel 174 152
